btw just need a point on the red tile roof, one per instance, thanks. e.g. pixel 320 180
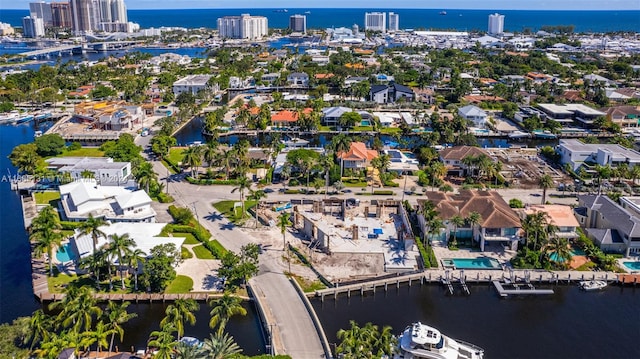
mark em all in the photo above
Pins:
pixel 358 152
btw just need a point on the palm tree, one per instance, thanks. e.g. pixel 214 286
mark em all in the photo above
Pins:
pixel 46 235
pixel 116 315
pixel 223 309
pixel 438 170
pixel 545 183
pixel 285 174
pixel 221 346
pixel 121 245
pixel 210 152
pixel 163 341
pixel 192 157
pixel 179 312
pixel 257 196
pixel 145 175
pixel 92 227
pixel 635 173
pixel 39 328
pixel 326 162
pixel 78 309
pixel 99 336
pixel 136 257
pixel 385 342
pixel 457 221
pixel 557 250
pixel 187 351
pixel 52 347
pixel 283 223
pixel 474 219
pixel 534 227
pixel 227 160
pixel 243 185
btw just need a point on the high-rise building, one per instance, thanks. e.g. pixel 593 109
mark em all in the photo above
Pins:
pixel 105 10
pixel 394 22
pixel 496 24
pixel 32 27
pixel 298 23
pixel 41 10
pixel 244 26
pixel 83 16
pixel 118 11
pixel 61 14
pixel 375 21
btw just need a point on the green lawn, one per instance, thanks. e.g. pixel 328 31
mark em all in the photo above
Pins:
pixel 189 238
pixel 354 182
pixel 184 253
pixel 46 197
pixel 175 154
pixel 363 128
pixel 84 152
pixel 390 130
pixel 226 208
pixel 202 252
pixel 182 284
pixel 324 128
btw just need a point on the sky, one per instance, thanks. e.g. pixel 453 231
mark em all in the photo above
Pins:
pixel 369 4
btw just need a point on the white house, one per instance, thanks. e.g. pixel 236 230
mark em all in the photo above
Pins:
pixel 575 153
pixel 473 113
pixel 143 234
pixel 104 169
pixel 192 83
pixel 82 198
pixel 298 79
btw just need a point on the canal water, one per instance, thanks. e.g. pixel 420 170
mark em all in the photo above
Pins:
pixel 568 324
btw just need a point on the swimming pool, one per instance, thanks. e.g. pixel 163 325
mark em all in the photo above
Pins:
pixel 574 252
pixel 632 265
pixel 67 255
pixel 472 263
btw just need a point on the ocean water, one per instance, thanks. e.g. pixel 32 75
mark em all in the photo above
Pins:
pixel 462 20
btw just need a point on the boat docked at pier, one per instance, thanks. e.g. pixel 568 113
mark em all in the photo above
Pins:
pixel 591 285
pixel 422 341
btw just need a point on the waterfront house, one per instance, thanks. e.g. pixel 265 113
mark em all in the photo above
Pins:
pixel 358 157
pixel 624 116
pixel 576 154
pixel 498 226
pixel 104 170
pixel 614 228
pixel 192 84
pixel 473 113
pixel 561 216
pixel 270 78
pixel 390 93
pixel 300 79
pixel 145 235
pixel 82 198
pixel 577 113
pixel 287 118
pixel 452 157
pixel 331 115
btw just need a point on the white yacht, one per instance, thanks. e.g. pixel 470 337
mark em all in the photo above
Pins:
pixel 589 285
pixel 422 341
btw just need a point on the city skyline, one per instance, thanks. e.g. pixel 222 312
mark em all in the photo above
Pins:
pixel 372 4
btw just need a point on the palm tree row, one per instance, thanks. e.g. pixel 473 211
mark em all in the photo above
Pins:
pixel 80 323
pixel 235 158
pixel 365 342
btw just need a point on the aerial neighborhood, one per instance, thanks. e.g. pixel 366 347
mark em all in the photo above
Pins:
pixel 345 156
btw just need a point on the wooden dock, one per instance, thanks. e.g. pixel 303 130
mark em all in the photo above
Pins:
pixel 374 284
pixel 520 289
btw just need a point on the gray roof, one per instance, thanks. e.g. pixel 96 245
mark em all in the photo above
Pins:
pixel 402 88
pixel 298 74
pixel 378 88
pixel 335 112
pixel 84 163
pixel 613 213
pixel 604 235
pixel 193 80
pixel 471 110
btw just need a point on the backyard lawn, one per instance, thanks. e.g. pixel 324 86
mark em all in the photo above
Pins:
pixel 175 154
pixel 189 238
pixel 84 152
pixel 182 284
pixel 46 197
pixel 202 252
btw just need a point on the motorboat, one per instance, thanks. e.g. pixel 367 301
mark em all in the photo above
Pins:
pixel 519 135
pixel 591 285
pixel 545 135
pixel 422 341
pixel 442 12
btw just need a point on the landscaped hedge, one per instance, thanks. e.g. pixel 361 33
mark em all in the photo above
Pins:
pixel 215 248
pixel 428 256
pixel 391 184
pixel 174 166
pixel 383 192
pixel 211 181
pixel 201 234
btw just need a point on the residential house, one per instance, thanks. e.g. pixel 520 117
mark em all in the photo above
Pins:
pixel 236 83
pixel 298 79
pixel 390 93
pixel 499 224
pixel 118 118
pixel 473 113
pixel 287 118
pixel 192 84
pixel 270 78
pixel 145 235
pixel 82 91
pixel 624 116
pixel 614 228
pixel 103 169
pixel 354 80
pixel 452 158
pixel 358 157
pixel 82 198
pixel 571 113
pixel 538 78
pixel 558 215
pixel 331 115
pixel 576 154
pixel 597 79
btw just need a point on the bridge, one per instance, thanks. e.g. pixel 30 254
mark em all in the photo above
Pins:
pixel 52 50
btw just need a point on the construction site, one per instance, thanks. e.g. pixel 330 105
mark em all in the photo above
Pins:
pixel 524 167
